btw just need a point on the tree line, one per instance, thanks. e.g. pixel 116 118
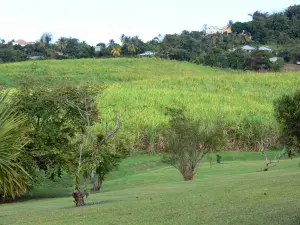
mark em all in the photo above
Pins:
pixel 217 50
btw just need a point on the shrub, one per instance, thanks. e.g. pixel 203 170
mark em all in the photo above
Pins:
pixel 287 113
pixel 276 66
pixel 188 141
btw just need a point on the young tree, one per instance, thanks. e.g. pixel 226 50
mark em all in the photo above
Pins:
pixel 102 160
pixel 188 141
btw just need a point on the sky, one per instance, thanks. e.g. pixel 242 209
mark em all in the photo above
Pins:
pixel 97 21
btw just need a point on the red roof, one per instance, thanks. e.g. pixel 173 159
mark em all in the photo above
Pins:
pixel 21 41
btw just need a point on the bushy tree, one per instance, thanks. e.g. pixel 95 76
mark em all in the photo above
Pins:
pixel 287 113
pixel 187 141
pixel 52 124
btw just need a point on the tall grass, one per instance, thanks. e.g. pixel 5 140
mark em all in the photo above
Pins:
pixel 140 89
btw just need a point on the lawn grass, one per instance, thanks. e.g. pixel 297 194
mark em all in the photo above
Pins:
pixel 229 193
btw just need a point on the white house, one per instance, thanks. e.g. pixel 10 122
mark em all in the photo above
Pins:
pixel 147 53
pixel 213 30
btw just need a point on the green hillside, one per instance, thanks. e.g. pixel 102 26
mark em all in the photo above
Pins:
pixel 140 89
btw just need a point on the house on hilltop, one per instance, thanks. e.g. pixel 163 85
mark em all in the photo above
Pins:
pixel 22 42
pixel 215 29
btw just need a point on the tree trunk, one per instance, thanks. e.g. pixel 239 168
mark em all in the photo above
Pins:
pixel 78 198
pixel 100 181
pixel 94 181
pixel 188 175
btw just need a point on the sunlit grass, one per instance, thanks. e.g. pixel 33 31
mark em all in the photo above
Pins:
pixel 145 191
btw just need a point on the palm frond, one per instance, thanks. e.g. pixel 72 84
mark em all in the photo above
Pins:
pixel 12 139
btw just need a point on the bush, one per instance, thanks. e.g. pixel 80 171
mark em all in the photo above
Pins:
pixel 286 55
pixel 276 66
pixel 188 141
pixel 287 113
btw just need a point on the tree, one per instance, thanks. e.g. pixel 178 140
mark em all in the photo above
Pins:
pixel 53 126
pixel 188 141
pixel 46 38
pixel 102 160
pixel 293 12
pixel 116 51
pixel 13 177
pixel 61 44
pixel 287 113
pixel 131 48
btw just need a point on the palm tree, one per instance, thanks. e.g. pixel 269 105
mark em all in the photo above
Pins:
pixel 12 138
pixel 62 44
pixel 116 51
pixel 131 48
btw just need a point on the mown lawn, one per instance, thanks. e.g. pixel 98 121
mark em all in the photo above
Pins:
pixel 145 191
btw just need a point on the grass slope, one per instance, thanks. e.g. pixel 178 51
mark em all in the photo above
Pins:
pixel 144 191
pixel 140 89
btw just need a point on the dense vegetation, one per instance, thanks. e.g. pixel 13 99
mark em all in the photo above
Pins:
pixel 280 30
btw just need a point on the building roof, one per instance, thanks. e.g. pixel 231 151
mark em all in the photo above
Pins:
pixel 247 48
pixel 147 53
pixel 262 48
pixel 20 41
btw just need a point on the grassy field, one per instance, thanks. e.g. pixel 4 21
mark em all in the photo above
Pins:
pixel 140 89
pixel 145 191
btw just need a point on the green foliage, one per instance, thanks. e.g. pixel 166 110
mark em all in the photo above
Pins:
pixel 111 155
pixel 287 112
pixel 53 125
pixel 188 141
pixel 276 66
pixel 13 178
pixel 282 27
pixel 11 54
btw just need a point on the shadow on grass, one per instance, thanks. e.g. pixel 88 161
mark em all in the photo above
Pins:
pixel 88 204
